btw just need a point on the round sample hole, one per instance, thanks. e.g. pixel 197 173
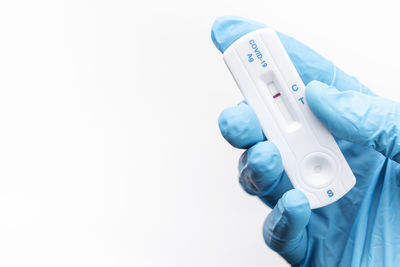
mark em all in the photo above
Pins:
pixel 318 169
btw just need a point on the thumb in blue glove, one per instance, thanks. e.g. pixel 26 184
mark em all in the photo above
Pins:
pixel 356 117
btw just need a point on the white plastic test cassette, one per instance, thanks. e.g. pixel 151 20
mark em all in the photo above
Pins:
pixel 272 87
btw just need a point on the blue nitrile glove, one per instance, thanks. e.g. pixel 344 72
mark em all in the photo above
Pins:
pixel 363 227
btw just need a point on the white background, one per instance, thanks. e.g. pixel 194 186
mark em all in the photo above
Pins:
pixel 110 153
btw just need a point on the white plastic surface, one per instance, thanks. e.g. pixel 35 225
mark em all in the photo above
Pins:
pixel 272 87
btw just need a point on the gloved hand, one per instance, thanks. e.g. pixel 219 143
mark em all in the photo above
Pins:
pixel 360 229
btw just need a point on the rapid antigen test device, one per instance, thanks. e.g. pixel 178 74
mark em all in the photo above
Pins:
pixel 272 87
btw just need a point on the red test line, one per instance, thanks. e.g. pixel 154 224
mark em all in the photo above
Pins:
pixel 278 94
